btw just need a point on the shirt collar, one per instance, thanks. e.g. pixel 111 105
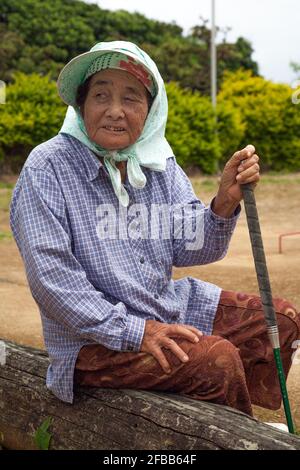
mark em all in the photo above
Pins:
pixel 91 162
pixel 93 165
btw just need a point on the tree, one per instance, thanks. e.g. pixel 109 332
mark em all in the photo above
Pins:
pixel 296 68
pixel 11 44
pixel 42 35
pixel 230 56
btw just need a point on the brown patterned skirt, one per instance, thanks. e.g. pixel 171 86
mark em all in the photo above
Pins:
pixel 234 366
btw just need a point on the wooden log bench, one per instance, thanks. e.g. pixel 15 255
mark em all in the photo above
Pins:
pixel 118 419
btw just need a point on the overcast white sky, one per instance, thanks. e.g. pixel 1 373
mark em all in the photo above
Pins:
pixel 273 26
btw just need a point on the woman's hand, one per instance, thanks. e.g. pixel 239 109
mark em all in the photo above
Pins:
pixel 159 335
pixel 241 168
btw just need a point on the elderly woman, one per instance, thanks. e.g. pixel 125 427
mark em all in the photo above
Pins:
pixel 80 214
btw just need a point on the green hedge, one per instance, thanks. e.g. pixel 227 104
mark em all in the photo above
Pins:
pixel 191 129
pixel 250 110
pixel 32 114
pixel 271 121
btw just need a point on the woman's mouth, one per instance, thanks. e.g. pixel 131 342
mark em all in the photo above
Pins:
pixel 114 129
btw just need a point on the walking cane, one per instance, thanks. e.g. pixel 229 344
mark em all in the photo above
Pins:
pixel 265 292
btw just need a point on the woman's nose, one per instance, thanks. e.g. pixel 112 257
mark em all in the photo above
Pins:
pixel 115 110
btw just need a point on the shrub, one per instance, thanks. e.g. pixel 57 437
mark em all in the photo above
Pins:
pixel 271 120
pixel 231 130
pixel 250 110
pixel 191 129
pixel 32 114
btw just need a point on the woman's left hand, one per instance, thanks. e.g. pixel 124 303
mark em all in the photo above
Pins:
pixel 241 168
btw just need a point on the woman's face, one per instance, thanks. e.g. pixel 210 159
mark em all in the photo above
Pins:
pixel 115 109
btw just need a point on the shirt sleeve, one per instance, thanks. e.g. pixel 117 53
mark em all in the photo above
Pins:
pixel 57 281
pixel 199 235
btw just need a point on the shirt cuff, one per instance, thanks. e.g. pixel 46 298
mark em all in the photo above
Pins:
pixel 224 223
pixel 133 334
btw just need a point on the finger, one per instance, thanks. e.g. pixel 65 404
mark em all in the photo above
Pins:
pixel 248 150
pixel 182 331
pixel 251 179
pixel 195 330
pixel 248 173
pixel 176 349
pixel 248 162
pixel 161 359
pixel 243 154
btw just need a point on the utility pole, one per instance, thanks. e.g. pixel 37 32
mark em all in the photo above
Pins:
pixel 213 57
pixel 213 72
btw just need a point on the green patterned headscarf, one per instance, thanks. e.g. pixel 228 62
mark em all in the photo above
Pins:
pixel 151 149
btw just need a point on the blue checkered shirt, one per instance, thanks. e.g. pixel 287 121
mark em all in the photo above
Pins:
pixel 94 290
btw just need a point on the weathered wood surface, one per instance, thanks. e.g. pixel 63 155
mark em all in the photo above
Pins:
pixel 118 419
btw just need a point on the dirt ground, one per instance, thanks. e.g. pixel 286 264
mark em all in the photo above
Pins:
pixel 278 200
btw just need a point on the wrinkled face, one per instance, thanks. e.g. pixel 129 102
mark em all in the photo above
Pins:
pixel 115 109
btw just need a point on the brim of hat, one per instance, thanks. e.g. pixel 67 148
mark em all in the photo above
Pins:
pixel 73 73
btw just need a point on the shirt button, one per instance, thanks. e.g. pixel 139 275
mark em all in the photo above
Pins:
pixel 156 296
pixel 142 260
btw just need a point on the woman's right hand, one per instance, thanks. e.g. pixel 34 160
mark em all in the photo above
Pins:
pixel 159 335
